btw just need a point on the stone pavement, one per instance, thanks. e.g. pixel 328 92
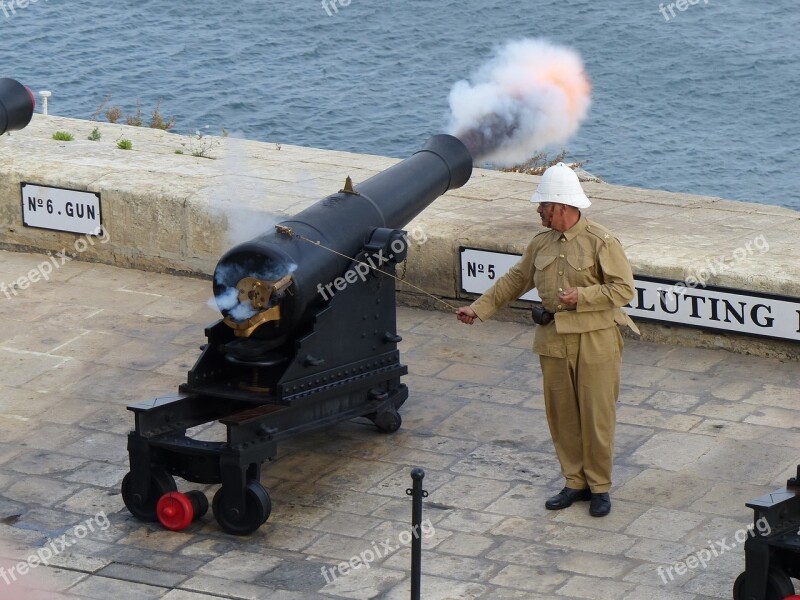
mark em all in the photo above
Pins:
pixel 700 432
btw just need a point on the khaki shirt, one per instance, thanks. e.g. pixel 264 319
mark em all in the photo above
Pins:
pixel 587 257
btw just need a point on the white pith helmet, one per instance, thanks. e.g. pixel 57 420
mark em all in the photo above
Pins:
pixel 560 184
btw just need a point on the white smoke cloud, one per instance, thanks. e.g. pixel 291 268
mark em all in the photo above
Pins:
pixel 532 94
pixel 239 200
pixel 227 299
pixel 242 196
pixel 227 276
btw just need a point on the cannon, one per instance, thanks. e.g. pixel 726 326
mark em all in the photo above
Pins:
pixel 16 105
pixel 772 558
pixel 307 338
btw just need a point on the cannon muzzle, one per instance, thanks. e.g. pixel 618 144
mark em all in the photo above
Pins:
pixel 16 105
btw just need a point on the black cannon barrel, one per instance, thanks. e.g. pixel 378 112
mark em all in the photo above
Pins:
pixel 343 222
pixel 16 105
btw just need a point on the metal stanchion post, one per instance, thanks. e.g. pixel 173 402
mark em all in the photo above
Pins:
pixel 417 494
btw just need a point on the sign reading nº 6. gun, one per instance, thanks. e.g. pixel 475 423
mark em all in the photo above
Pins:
pixel 61 209
pixel 668 302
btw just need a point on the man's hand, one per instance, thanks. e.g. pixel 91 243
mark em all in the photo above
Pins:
pixel 466 315
pixel 569 297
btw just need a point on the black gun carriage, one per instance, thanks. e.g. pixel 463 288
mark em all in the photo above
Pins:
pixel 293 352
pixel 772 556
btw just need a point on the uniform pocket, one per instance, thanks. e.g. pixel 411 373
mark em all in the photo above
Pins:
pixel 545 276
pixel 602 346
pixel 542 261
pixel 581 262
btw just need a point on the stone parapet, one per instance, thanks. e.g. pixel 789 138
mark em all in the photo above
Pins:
pixel 178 213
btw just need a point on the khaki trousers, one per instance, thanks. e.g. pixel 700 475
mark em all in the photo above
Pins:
pixel 580 396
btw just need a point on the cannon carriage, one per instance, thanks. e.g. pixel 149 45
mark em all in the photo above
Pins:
pixel 308 338
pixel 772 558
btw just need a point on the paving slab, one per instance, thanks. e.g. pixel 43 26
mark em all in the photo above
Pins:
pixel 700 433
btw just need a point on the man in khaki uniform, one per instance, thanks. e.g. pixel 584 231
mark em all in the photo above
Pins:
pixel 583 278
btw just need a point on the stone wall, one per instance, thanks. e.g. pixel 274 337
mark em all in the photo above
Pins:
pixel 172 212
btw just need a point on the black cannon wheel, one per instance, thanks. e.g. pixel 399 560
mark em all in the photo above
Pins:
pixel 161 483
pixel 258 506
pixel 779 586
pixel 387 421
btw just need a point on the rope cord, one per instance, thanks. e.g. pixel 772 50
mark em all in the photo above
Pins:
pixel 287 231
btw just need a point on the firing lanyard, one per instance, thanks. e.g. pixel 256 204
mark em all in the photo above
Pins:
pixel 288 231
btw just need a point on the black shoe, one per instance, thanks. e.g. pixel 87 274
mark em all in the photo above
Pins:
pixel 601 505
pixel 565 498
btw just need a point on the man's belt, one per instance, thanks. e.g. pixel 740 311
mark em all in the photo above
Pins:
pixel 540 315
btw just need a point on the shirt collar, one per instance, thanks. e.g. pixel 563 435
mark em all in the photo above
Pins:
pixel 575 229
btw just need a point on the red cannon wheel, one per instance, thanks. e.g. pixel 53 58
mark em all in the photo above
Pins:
pixel 176 511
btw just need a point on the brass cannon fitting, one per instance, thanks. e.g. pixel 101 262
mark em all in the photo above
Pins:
pixel 258 294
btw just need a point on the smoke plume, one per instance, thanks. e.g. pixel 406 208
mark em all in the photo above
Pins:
pixel 242 197
pixel 532 94
pixel 239 200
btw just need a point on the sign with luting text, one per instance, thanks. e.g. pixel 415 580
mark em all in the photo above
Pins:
pixel 61 209
pixel 665 301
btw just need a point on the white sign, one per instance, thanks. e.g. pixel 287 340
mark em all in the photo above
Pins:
pixel 481 268
pixel 61 209
pixel 664 301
